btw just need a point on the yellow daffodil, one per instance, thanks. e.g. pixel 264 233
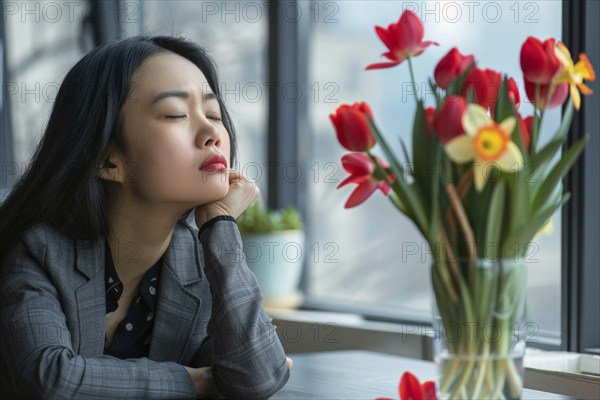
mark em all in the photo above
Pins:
pixel 485 142
pixel 574 74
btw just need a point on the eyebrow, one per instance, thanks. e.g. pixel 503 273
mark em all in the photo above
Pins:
pixel 182 94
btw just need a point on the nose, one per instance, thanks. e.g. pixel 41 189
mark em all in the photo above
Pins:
pixel 208 134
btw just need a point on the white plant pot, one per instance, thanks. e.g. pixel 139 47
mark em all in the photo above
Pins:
pixel 276 259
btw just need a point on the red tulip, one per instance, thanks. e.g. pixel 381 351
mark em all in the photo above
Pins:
pixel 403 39
pixel 538 60
pixel 525 126
pixel 451 66
pixel 486 88
pixel 558 94
pixel 409 388
pixel 352 127
pixel 429 113
pixel 448 123
pixel 513 92
pixel 362 171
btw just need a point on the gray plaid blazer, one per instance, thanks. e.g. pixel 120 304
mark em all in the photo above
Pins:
pixel 209 313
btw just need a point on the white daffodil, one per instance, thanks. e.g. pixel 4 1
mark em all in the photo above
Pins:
pixel 485 142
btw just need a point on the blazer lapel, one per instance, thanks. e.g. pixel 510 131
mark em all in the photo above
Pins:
pixel 91 307
pixel 177 306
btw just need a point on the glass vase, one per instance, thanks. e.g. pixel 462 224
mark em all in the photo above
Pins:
pixel 479 326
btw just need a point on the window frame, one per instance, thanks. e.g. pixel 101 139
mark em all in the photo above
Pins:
pixel 7 156
pixel 581 223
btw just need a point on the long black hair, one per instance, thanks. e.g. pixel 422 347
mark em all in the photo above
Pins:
pixel 60 185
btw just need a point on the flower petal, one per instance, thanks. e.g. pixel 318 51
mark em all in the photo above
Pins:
pixel 383 65
pixel 357 163
pixel 429 389
pixel 409 32
pixel 384 187
pixel 563 54
pixel 410 388
pixel 361 193
pixel 460 149
pixel 352 179
pixel 584 68
pixel 479 175
pixel 584 89
pixel 575 96
pixel 384 36
pixel 511 160
pixel 508 125
pixel 474 117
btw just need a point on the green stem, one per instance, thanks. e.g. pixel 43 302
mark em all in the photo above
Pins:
pixel 382 172
pixel 536 122
pixel 412 78
pixel 483 362
pixel 466 374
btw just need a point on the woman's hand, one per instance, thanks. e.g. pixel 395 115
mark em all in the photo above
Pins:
pixel 204 383
pixel 242 193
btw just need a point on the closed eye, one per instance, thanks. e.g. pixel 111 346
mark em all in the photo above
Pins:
pixel 216 118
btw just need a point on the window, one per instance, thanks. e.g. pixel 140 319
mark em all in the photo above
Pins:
pixel 372 258
pixel 43 40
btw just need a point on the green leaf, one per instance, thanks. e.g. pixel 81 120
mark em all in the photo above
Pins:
pixel 435 202
pixel 494 221
pixel 524 233
pixel 565 122
pixel 395 165
pixel 504 106
pixel 398 204
pixel 424 150
pixel 559 171
pixel 406 155
pixel 547 152
pixel 470 95
pixel 519 202
pixel 435 89
pixel 408 194
pixel 456 87
pixel 517 136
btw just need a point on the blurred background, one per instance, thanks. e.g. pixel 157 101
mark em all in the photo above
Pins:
pixel 284 67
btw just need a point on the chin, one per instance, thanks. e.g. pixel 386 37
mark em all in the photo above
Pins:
pixel 216 193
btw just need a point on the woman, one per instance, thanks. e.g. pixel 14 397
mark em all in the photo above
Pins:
pixel 105 289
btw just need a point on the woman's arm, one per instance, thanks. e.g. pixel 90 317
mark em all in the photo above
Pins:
pixel 204 383
pixel 38 360
pixel 248 360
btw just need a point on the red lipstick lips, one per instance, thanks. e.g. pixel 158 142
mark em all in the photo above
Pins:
pixel 214 163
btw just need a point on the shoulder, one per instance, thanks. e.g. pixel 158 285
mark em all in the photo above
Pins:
pixel 39 260
pixel 43 241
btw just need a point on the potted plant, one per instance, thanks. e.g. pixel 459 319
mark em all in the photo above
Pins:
pixel 274 249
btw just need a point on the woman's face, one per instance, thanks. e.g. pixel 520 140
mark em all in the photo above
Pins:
pixel 169 135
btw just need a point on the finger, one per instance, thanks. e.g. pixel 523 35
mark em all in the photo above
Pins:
pixel 234 174
pixel 290 362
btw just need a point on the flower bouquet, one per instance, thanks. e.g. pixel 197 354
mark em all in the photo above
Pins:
pixel 479 186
